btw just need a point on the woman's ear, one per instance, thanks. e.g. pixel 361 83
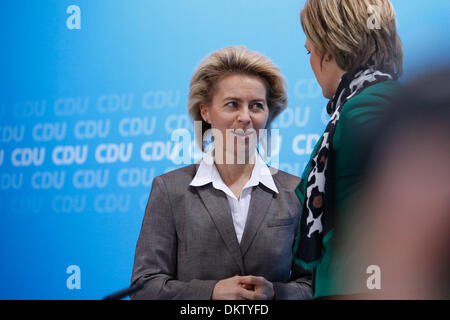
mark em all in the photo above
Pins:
pixel 328 57
pixel 204 113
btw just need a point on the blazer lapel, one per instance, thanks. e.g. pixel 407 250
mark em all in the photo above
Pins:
pixel 216 203
pixel 258 209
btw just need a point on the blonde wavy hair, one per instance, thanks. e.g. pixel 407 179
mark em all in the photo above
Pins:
pixel 355 32
pixel 234 60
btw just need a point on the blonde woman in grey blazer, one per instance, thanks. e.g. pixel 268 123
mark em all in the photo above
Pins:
pixel 224 228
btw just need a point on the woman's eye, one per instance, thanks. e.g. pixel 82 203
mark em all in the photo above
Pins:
pixel 258 106
pixel 232 104
pixel 308 52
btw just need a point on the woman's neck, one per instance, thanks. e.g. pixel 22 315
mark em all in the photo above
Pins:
pixel 235 175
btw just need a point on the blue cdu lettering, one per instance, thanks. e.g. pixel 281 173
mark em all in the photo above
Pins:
pixel 160 99
pixel 88 129
pixel 71 106
pixel 29 109
pixel 156 150
pixel 49 131
pixel 9 133
pixel 109 203
pixel 131 127
pixel 11 181
pixel 110 153
pixel 86 179
pixel 113 102
pixel 133 177
pixel 310 139
pixel 67 155
pixel 298 117
pixel 174 122
pixel 23 157
pixel 47 180
pixel 69 203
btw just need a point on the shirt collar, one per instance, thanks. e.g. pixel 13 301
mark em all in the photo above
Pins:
pixel 208 173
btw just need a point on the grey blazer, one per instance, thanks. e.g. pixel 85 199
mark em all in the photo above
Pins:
pixel 187 241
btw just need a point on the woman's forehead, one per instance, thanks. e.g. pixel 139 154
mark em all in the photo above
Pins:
pixel 241 84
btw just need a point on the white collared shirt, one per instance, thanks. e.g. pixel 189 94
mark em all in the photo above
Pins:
pixel 208 173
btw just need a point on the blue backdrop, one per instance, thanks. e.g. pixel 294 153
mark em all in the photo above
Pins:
pixel 90 94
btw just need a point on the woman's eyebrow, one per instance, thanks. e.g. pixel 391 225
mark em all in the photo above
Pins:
pixel 240 100
pixel 258 100
pixel 231 98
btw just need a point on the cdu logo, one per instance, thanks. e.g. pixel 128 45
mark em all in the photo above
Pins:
pixel 298 117
pixel 12 133
pixel 49 131
pixel 134 177
pixel 11 181
pixel 110 203
pixel 67 155
pixel 23 157
pixel 87 179
pixel 310 139
pixel 70 106
pixel 88 129
pixel 131 127
pixel 113 152
pixel 69 203
pixel 48 180
pixel 29 109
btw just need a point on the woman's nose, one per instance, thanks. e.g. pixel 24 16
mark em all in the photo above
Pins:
pixel 244 115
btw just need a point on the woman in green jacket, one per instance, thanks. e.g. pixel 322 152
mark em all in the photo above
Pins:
pixel 356 56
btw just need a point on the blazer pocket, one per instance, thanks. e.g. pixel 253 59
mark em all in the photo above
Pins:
pixel 280 222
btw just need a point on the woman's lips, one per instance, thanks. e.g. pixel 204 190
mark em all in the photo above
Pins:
pixel 242 133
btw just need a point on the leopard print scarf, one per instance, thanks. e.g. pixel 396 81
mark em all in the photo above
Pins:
pixel 317 216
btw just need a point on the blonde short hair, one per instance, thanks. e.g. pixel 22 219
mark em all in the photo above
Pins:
pixel 234 60
pixel 356 32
